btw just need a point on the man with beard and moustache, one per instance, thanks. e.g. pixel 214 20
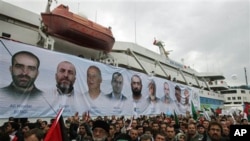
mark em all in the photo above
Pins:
pixel 100 130
pixel 65 78
pixel 24 71
pixel 65 95
pixel 192 133
pixel 22 97
pixel 140 103
pixel 214 132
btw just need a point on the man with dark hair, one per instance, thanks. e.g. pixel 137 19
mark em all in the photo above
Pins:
pixel 118 99
pixel 214 132
pixel 117 84
pixel 21 97
pixel 24 71
pixel 13 130
pixel 34 135
pixel 140 103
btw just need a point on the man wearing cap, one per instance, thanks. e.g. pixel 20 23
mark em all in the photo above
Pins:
pixel 100 130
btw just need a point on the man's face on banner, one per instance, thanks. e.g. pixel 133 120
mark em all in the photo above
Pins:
pixel 136 85
pixel 93 78
pixel 65 75
pixel 166 90
pixel 178 95
pixel 24 71
pixel 117 84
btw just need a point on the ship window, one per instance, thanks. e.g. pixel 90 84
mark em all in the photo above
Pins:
pixel 239 98
pixel 243 91
pixel 227 102
pixel 229 98
pixel 233 98
pixel 237 102
pixel 228 92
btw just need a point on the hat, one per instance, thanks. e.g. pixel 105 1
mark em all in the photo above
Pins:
pixel 178 136
pixel 101 124
pixel 123 137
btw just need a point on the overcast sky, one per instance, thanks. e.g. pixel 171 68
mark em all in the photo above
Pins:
pixel 207 35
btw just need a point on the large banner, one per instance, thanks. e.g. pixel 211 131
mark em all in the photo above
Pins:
pixel 36 82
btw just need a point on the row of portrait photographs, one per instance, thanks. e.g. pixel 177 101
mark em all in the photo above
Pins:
pixel 40 82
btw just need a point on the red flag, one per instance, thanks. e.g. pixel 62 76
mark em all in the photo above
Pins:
pixel 246 108
pixel 57 129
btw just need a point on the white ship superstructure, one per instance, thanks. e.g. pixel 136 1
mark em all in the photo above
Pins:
pixel 24 26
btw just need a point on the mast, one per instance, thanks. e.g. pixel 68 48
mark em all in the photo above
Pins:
pixel 246 75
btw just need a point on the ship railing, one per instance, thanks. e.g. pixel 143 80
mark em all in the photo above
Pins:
pixel 47 41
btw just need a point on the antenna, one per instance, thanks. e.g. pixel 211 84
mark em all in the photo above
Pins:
pixel 246 75
pixel 135 21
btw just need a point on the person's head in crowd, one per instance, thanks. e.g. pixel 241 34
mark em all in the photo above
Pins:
pixel 11 119
pixel 183 127
pixel 134 123
pixel 117 83
pixel 223 123
pixel 120 122
pixel 34 135
pixel 205 123
pixel 192 129
pixel 117 128
pixel 180 137
pixel 244 121
pixel 145 137
pixel 94 78
pixel 230 120
pixel 170 132
pixel 214 131
pixel 82 129
pixel 65 77
pixel 133 133
pixel 159 137
pixel 24 70
pixel 145 123
pixel 201 129
pixel 163 127
pixel 112 130
pixel 147 130
pixel 140 129
pixel 123 137
pixel 155 126
pixel 27 127
pixel 12 127
pixel 136 86
pixel 226 131
pixel 100 130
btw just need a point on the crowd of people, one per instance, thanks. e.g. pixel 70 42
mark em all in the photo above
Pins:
pixel 143 128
